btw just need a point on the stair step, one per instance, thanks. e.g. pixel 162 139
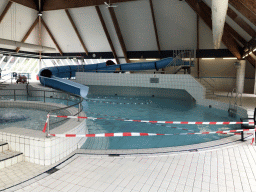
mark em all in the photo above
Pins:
pixel 9 158
pixel 3 146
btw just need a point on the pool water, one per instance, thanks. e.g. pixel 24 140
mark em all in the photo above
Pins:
pixel 26 118
pixel 150 108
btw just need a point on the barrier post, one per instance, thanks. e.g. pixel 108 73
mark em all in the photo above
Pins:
pixel 48 127
pixel 14 95
pixel 44 96
pixel 242 136
pixel 67 99
pixel 254 119
pixel 79 108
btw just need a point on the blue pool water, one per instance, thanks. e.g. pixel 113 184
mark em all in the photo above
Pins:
pixel 149 108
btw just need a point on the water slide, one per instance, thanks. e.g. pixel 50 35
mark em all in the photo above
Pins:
pixel 56 77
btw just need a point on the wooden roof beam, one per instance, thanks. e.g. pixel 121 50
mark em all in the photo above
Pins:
pixel 251 4
pixel 27 3
pixel 28 33
pixel 155 28
pixel 52 37
pixel 6 9
pixel 107 33
pixel 229 29
pixel 243 10
pixel 228 40
pixel 76 30
pixel 246 27
pixel 50 5
pixel 118 31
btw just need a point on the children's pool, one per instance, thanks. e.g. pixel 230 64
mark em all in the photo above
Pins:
pixel 150 108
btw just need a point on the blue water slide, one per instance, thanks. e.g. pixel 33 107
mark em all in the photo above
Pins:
pixel 56 77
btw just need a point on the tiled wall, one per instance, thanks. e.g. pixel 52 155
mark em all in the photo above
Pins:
pixel 34 144
pixel 166 81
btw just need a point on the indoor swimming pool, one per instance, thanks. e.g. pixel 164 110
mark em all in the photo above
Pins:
pixel 114 108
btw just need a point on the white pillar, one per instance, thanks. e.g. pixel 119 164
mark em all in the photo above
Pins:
pixel 240 76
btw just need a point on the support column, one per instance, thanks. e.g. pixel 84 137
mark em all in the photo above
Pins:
pixel 240 75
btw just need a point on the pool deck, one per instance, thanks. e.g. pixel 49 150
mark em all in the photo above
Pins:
pixel 230 167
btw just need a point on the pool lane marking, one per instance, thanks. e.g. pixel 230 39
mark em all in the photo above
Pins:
pixel 162 122
pixel 134 134
pixel 108 102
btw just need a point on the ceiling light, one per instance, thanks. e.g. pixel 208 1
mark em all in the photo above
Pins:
pixel 250 52
pixel 254 49
pixel 229 58
pixel 151 59
pixel 208 58
pixel 134 59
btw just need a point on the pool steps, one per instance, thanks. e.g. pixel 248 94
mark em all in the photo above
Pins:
pixel 7 157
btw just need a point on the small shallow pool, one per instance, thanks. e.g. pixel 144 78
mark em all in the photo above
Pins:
pixel 150 108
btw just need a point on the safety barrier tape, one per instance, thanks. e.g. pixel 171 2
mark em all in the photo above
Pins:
pixel 108 102
pixel 162 122
pixel 133 134
pixel 127 119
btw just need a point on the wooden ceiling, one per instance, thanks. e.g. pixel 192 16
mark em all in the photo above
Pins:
pixel 50 5
pixel 231 38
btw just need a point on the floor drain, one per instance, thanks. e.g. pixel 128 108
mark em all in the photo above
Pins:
pixel 193 150
pixel 113 155
pixel 51 171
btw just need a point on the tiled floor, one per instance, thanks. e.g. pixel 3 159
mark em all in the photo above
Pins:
pixel 227 168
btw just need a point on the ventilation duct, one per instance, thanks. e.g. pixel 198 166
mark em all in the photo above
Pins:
pixel 219 12
pixel 25 45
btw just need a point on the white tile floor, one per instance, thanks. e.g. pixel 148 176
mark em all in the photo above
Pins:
pixel 227 168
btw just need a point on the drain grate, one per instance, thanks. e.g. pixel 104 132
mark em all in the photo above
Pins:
pixel 113 155
pixel 51 171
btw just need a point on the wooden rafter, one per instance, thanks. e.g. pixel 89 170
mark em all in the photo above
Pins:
pixel 27 3
pixel 76 30
pixel 67 4
pixel 52 37
pixel 107 33
pixel 118 31
pixel 246 27
pixel 227 27
pixel 243 10
pixel 155 28
pixel 251 4
pixel 230 30
pixel 28 33
pixel 228 40
pixel 8 6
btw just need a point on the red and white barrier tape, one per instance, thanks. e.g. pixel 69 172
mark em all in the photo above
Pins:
pixel 157 124
pixel 132 134
pixel 162 122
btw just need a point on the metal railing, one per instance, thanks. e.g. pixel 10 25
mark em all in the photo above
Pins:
pixel 236 95
pixel 181 56
pixel 45 96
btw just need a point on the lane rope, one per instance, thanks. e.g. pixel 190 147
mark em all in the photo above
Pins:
pixel 111 102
